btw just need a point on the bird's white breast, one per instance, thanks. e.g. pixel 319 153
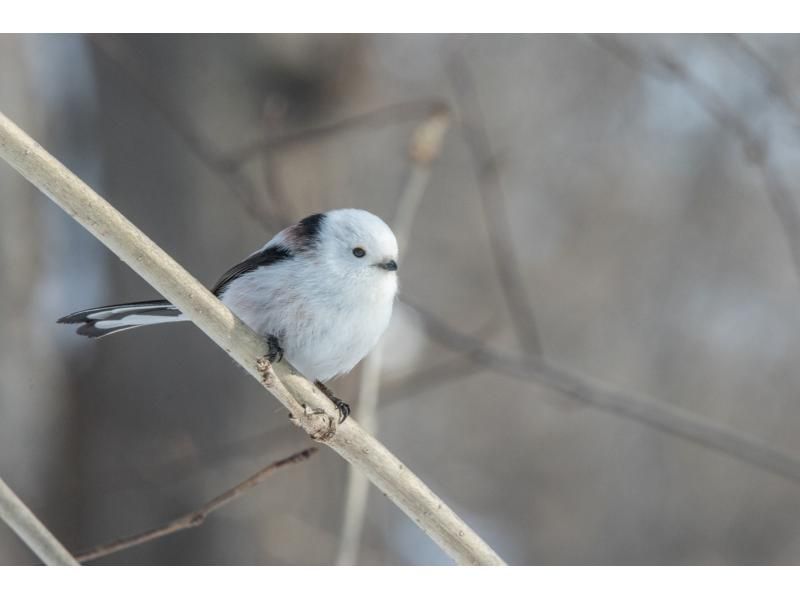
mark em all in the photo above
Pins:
pixel 325 327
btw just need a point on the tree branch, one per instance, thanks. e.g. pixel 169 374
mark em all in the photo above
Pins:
pixel 307 406
pixel 32 531
pixel 198 516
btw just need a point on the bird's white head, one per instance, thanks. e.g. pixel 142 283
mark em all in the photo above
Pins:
pixel 347 248
pixel 358 246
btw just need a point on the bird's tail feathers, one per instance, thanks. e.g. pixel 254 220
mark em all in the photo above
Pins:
pixel 102 321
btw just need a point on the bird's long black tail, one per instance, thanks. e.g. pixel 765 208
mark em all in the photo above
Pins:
pixel 100 321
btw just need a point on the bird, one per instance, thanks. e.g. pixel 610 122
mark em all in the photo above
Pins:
pixel 321 293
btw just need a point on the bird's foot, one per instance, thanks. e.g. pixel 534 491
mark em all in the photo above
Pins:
pixel 275 353
pixel 342 407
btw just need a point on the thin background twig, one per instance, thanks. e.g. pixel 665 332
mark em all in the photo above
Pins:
pixel 199 515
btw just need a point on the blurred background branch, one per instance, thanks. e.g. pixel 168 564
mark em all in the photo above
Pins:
pixel 655 414
pixel 493 202
pixel 115 49
pixel 755 147
pixel 776 84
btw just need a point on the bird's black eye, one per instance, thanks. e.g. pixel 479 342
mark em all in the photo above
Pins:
pixel 359 252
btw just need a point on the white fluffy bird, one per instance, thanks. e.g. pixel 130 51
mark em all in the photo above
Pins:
pixel 321 291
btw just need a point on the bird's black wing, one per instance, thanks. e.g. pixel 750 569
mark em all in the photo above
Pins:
pixel 301 237
pixel 265 257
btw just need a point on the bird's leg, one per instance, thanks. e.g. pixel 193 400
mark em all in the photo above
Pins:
pixel 275 353
pixel 341 406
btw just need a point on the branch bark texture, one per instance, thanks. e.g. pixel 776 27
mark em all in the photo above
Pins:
pixel 248 349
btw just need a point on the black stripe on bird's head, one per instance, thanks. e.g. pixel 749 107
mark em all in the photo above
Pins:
pixel 305 234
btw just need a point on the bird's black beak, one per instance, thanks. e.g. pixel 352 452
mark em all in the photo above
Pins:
pixel 391 265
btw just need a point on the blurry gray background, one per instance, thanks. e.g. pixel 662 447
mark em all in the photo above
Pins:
pixel 640 191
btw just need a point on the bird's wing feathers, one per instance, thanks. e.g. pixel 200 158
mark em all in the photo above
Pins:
pixel 292 240
pixel 269 255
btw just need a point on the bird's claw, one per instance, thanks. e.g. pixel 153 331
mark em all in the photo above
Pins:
pixel 275 353
pixel 342 407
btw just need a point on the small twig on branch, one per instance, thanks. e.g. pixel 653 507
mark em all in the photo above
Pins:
pixel 32 531
pixel 665 417
pixel 425 147
pixel 198 516
pixel 308 407
pixel 495 211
